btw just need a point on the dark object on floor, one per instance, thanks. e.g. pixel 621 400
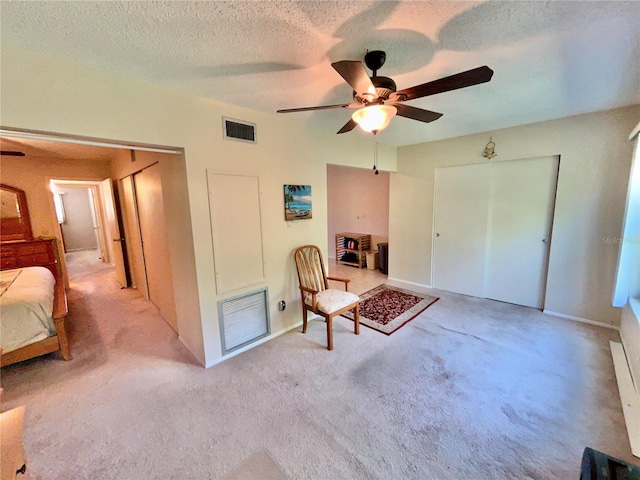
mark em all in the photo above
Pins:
pixel 383 257
pixel 600 466
pixel 349 257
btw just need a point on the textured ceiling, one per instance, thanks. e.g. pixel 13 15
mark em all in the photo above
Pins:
pixel 551 59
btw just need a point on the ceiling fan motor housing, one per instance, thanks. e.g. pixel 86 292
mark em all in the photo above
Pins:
pixel 375 60
pixel 385 86
pixel 379 95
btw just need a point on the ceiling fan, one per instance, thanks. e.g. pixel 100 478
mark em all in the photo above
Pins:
pixel 378 100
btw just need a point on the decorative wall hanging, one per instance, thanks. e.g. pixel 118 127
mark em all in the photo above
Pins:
pixel 490 150
pixel 297 202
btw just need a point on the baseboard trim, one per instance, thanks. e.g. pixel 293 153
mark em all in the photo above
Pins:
pixel 582 320
pixel 408 283
pixel 628 396
pixel 252 345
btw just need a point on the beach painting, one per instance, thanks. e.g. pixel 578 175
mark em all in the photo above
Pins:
pixel 297 202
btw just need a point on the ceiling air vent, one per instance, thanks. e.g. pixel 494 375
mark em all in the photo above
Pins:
pixel 238 130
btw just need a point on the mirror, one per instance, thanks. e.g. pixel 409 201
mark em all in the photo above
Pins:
pixel 15 223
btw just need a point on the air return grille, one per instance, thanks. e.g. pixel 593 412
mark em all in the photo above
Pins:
pixel 244 319
pixel 239 130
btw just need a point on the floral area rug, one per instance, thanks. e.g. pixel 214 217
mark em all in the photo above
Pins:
pixel 386 308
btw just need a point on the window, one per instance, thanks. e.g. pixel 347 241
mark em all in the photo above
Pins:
pixel 628 276
pixel 57 200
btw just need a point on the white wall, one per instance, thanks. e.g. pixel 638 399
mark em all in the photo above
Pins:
pixel 358 202
pixel 54 95
pixel 78 230
pixel 595 156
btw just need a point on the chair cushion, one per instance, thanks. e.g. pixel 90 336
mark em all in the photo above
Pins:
pixel 331 300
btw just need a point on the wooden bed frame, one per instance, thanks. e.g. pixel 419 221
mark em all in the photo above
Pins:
pixel 59 341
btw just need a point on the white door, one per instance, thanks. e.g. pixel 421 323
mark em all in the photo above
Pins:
pixel 116 243
pixel 520 215
pixel 148 190
pixel 133 242
pixel 460 228
pixel 96 221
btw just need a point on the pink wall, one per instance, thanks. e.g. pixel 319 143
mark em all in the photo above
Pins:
pixel 357 202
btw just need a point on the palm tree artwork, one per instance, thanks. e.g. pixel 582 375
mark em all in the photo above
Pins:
pixel 297 202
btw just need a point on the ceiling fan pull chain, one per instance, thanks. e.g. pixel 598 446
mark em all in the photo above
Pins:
pixel 375 152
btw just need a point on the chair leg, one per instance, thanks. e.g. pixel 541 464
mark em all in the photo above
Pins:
pixel 329 333
pixel 304 320
pixel 356 320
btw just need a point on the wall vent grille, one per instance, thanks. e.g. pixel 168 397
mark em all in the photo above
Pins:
pixel 238 130
pixel 244 319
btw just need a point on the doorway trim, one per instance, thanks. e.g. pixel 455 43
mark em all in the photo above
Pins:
pixel 180 240
pixel 9 132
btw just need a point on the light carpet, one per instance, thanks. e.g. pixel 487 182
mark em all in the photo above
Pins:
pixel 469 389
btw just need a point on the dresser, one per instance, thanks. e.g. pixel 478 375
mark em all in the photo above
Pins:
pixel 27 253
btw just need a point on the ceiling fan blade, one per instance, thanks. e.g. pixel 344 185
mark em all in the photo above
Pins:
pixel 355 75
pixel 350 125
pixel 459 80
pixel 414 113
pixel 322 107
pixel 12 153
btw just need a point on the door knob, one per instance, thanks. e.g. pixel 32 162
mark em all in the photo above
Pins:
pixel 437 234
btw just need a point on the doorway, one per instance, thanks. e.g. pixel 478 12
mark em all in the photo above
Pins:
pixel 357 202
pixel 79 222
pixel 52 155
pixel 80 218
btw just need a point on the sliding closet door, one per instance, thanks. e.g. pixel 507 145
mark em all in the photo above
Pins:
pixel 460 228
pixel 519 234
pixel 148 190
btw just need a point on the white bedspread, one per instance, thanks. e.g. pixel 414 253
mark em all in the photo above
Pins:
pixel 26 306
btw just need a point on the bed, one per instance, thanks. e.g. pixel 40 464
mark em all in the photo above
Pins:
pixel 33 308
pixel 33 301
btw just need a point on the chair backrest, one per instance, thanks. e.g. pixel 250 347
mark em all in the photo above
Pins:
pixel 311 273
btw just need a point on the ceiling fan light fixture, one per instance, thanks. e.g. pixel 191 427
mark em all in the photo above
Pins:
pixel 375 117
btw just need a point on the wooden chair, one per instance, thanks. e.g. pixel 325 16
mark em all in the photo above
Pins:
pixel 317 297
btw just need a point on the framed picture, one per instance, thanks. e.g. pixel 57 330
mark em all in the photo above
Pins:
pixel 297 202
